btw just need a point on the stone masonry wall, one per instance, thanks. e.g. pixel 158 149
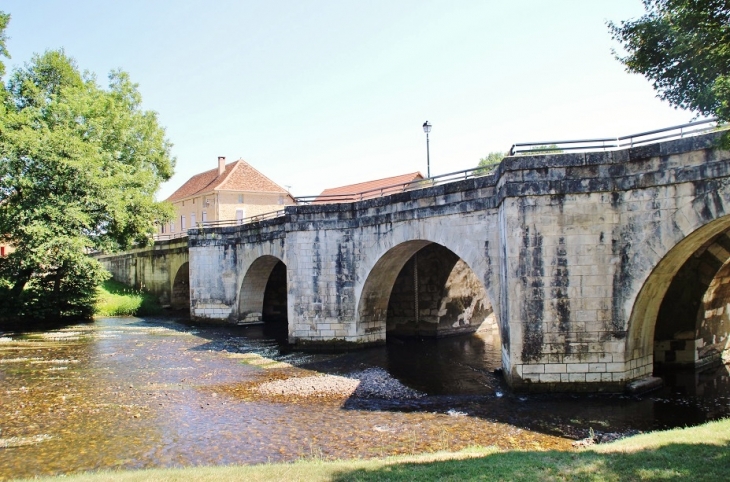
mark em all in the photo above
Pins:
pixel 344 259
pixel 711 339
pixel 583 236
pixel 220 258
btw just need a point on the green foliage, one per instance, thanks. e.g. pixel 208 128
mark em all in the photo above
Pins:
pixel 117 299
pixel 544 149
pixel 79 167
pixel 4 19
pixel 489 163
pixel 683 48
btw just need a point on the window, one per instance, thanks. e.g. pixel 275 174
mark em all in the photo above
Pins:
pixel 162 228
pixel 240 199
pixel 192 220
pixel 172 227
pixel 182 223
pixel 281 199
pixel 193 203
pixel 2 250
pixel 239 215
pixel 205 216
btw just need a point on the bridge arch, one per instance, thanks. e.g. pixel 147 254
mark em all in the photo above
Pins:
pixel 263 292
pixel 421 288
pixel 180 292
pixel 679 313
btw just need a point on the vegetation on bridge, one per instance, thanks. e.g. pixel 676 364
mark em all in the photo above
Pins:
pixel 79 167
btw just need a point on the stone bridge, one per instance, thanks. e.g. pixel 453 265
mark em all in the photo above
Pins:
pixel 161 269
pixel 587 268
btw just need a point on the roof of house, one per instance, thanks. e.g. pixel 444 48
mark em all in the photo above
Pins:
pixel 368 189
pixel 238 176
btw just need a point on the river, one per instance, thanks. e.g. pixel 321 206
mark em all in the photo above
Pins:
pixel 133 393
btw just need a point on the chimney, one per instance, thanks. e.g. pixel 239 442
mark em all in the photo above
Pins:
pixel 221 165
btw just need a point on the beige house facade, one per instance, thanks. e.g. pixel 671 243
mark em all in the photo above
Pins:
pixel 5 248
pixel 232 192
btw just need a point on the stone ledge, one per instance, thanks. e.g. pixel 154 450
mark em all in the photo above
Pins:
pixel 644 385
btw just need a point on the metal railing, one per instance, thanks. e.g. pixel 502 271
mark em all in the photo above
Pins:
pixel 240 222
pixel 166 236
pixel 221 223
pixel 613 143
pixel 397 188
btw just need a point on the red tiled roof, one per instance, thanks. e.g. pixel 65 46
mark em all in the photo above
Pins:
pixel 368 189
pixel 238 176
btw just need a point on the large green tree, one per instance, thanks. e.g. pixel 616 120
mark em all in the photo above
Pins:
pixel 79 168
pixel 683 48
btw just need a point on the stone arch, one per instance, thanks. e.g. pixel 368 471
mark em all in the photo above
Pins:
pixel 693 263
pixel 180 297
pixel 422 288
pixel 263 291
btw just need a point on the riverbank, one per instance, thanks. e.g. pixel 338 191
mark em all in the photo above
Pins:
pixel 117 299
pixel 700 453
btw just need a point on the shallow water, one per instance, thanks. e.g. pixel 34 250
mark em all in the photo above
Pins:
pixel 131 393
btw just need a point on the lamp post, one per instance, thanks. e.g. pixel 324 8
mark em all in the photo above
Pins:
pixel 427 129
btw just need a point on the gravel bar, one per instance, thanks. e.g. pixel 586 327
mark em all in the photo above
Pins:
pixel 370 383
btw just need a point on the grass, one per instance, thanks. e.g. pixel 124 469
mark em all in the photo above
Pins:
pixel 118 299
pixel 698 453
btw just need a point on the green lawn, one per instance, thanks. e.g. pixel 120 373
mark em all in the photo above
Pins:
pixel 698 454
pixel 118 299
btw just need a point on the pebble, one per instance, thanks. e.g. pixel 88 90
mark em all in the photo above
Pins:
pixel 370 383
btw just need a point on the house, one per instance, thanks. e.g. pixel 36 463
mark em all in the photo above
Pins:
pixel 5 248
pixel 368 189
pixel 232 191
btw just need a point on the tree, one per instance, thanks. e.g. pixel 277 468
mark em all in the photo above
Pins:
pixel 489 163
pixel 542 149
pixel 79 168
pixel 683 48
pixel 4 19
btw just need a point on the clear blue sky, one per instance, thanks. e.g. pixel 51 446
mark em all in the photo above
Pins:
pixel 318 94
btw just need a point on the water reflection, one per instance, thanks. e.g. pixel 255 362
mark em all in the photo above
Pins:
pixel 136 393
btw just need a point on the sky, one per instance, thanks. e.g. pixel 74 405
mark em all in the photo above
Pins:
pixel 318 94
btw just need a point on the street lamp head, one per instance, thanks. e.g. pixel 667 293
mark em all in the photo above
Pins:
pixel 426 127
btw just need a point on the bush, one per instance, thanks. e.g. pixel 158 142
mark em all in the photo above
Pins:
pixel 64 290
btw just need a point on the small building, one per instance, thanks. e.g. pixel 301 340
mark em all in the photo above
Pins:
pixel 231 192
pixel 368 189
pixel 5 248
